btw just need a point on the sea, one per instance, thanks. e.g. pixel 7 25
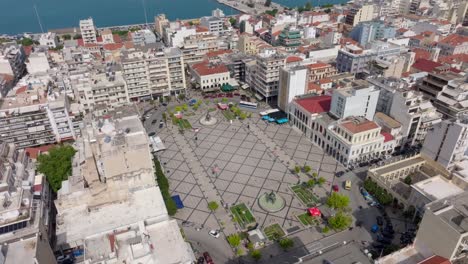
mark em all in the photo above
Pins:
pixel 20 16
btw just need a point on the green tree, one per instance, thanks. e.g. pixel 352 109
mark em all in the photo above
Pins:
pixel 297 169
pixel 268 3
pixel 234 240
pixel 213 205
pixel 328 10
pixel 163 184
pixel 256 254
pixel 56 165
pixel 340 221
pixel 272 12
pixel 77 36
pixel 167 98
pixel 185 107
pixel 314 174
pixel 408 180
pixel 321 181
pixel 311 183
pixel 307 168
pixel 233 21
pixel 250 246
pixel 286 243
pixel 325 230
pixel 239 252
pixel 66 37
pixel 338 201
pixel 26 42
pixel 181 96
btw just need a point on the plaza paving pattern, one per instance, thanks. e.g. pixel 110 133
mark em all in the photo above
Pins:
pixel 249 158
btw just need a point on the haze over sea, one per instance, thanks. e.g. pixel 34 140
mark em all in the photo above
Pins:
pixel 18 16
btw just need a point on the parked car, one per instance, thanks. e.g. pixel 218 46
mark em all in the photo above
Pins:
pixel 335 188
pixel 380 221
pixel 208 258
pixel 236 94
pixel 388 235
pixel 201 260
pixel 383 240
pixel 151 134
pixel 154 121
pixel 214 233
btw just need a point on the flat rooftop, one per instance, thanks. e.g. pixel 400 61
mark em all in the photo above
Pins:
pixel 453 211
pixel 436 188
pixel 21 251
pixel 349 253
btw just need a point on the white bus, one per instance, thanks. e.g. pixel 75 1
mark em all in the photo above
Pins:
pixel 248 104
pixel 269 111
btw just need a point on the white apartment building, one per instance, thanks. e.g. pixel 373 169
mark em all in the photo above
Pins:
pixel 358 100
pixel 143 37
pixel 25 226
pixel 153 72
pixel 12 60
pixel 38 62
pixel 210 76
pixel 112 175
pixel 264 75
pixel 49 39
pixel 195 47
pixel 416 115
pixel 31 116
pixel 88 31
pixel 359 14
pixel 175 34
pixel 292 82
pixel 447 141
pixel 214 24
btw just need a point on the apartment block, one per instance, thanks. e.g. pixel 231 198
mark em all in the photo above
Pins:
pixel 359 14
pixel 214 24
pixel 160 22
pixel 369 31
pixel 25 226
pixel 33 115
pixel 12 58
pixel 358 100
pixel 88 31
pixel 447 141
pixel 292 82
pixel 49 39
pixel 195 47
pixel 113 174
pixel 265 76
pixel 153 72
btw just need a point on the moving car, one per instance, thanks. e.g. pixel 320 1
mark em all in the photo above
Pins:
pixel 161 124
pixel 154 122
pixel 151 134
pixel 208 258
pixel 348 185
pixel 214 233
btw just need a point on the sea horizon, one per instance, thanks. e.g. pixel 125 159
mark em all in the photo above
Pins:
pixel 60 14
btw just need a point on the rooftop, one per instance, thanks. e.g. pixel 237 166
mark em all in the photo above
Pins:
pixel 436 188
pixel 398 165
pixel 454 40
pixel 453 211
pixel 358 125
pixel 315 104
pixel 206 68
pixel 390 122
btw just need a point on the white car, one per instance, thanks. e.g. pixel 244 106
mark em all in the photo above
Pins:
pixel 214 233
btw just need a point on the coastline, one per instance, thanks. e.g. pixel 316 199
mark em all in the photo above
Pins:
pixel 243 8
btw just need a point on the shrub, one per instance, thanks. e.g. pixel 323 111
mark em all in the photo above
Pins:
pixel 325 230
pixel 56 165
pixel 256 254
pixel 286 243
pixel 213 206
pixel 234 240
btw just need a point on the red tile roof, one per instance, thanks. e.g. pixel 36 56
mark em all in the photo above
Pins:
pixel 34 152
pixel 201 29
pixel 454 58
pixel 80 42
pixel 454 40
pixel 292 59
pixel 7 77
pixel 117 38
pixel 218 52
pixel 325 80
pixel 435 260
pixel 387 136
pixel 113 46
pixel 425 65
pixel 205 68
pixel 315 104
pixel 313 87
pixel 357 127
pixel 421 54
pixel 318 65
pixel 21 90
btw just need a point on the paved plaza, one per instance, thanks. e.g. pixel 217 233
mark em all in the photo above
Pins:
pixel 236 163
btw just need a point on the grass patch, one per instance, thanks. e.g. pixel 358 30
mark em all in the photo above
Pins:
pixel 185 124
pixel 229 115
pixel 308 220
pixel 274 232
pixel 242 215
pixel 305 195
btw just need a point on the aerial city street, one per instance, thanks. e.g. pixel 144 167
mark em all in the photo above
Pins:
pixel 260 132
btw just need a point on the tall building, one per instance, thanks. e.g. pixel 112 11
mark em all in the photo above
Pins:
pixel 160 22
pixel 369 31
pixel 447 141
pixel 359 14
pixel 358 100
pixel 292 82
pixel 88 31
pixel 214 24
pixel 33 115
pixel 265 74
pixel 26 219
pixel 152 72
pixel 113 175
pixel 12 58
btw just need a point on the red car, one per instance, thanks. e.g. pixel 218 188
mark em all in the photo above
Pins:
pixel 335 188
pixel 208 258
pixel 229 95
pixel 220 95
pixel 236 94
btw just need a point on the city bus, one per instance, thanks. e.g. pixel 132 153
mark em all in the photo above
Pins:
pixel 348 185
pixel 248 104
pixel 269 111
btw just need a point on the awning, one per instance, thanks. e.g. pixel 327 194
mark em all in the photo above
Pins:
pixel 227 88
pixel 245 86
pixel 314 211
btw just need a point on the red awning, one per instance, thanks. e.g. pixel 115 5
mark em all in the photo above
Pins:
pixel 314 211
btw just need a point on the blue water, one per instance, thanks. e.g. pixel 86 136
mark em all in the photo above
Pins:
pixel 18 16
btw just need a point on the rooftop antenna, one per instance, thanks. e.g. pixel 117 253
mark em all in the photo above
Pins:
pixel 144 10
pixel 38 19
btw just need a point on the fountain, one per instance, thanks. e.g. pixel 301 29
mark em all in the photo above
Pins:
pixel 208 120
pixel 271 202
